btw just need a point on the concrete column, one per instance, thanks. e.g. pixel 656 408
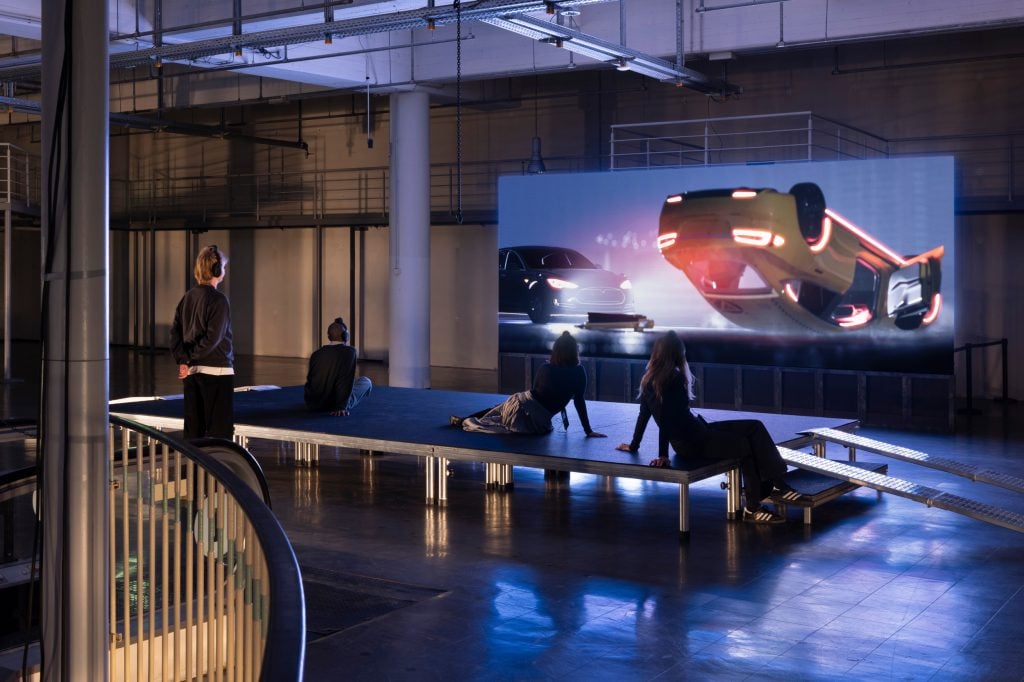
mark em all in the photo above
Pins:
pixel 74 423
pixel 409 258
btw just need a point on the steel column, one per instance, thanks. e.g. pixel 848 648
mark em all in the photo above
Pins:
pixel 73 426
pixel 409 257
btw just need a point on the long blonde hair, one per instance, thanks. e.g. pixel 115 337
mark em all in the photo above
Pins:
pixel 667 356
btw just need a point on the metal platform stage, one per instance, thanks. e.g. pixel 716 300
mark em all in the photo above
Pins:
pixel 415 422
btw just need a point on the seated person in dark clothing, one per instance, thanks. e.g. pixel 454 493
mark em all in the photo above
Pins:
pixel 666 390
pixel 331 383
pixel 558 381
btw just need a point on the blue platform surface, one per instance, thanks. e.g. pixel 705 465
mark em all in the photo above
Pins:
pixel 416 421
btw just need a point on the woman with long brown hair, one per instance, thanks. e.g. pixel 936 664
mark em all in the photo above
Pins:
pixel 666 390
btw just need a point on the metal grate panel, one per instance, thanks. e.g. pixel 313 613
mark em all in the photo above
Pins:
pixel 970 471
pixel 932 497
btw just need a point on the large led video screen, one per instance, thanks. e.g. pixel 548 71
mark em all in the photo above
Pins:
pixel 839 265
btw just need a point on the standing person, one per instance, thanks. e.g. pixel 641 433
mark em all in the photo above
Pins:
pixel 666 390
pixel 558 381
pixel 330 383
pixel 201 345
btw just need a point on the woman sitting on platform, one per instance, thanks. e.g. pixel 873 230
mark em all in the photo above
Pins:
pixel 558 381
pixel 666 390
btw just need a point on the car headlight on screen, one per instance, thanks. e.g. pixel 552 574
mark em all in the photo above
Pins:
pixel 556 283
pixel 626 284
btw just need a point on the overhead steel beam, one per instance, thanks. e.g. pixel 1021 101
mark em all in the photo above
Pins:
pixel 308 33
pixel 613 53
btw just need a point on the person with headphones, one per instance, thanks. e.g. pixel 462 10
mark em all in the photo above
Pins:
pixel 331 383
pixel 201 345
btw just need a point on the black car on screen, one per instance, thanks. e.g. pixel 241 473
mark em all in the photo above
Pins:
pixel 543 281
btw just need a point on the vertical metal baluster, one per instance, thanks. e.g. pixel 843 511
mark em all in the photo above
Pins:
pixel 178 673
pixel 190 482
pixel 265 604
pixel 139 549
pixel 247 656
pixel 165 569
pixel 126 443
pixel 152 560
pixel 250 600
pixel 229 588
pixel 218 618
pixel 196 563
pixel 112 548
pixel 211 585
pixel 257 607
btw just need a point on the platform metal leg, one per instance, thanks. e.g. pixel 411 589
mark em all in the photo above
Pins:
pixel 498 476
pixel 307 454
pixel 819 448
pixel 437 480
pixel 853 453
pixel 431 475
pixel 807 516
pixel 732 498
pixel 684 510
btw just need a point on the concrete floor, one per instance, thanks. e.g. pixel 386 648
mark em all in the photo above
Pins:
pixel 585 579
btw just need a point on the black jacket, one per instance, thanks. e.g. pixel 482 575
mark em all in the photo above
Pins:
pixel 201 333
pixel 332 370
pixel 555 385
pixel 676 423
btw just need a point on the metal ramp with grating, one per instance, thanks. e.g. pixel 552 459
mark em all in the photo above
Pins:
pixel 932 497
pixel 951 466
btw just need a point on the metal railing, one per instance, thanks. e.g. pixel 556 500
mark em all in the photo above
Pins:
pixel 791 136
pixel 202 577
pixel 968 350
pixel 339 191
pixel 203 581
pixel 19 176
pixel 987 165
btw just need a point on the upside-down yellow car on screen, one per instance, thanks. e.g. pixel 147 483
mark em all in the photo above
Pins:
pixel 772 260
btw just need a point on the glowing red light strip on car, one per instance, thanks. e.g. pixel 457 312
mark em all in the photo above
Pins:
pixel 861 316
pixel 751 236
pixel 933 311
pixel 826 234
pixel 666 240
pixel 744 194
pixel 791 292
pixel 865 237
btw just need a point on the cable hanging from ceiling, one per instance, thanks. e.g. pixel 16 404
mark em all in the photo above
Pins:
pixel 457 6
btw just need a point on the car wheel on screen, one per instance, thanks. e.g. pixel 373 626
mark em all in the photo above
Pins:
pixel 810 209
pixel 540 310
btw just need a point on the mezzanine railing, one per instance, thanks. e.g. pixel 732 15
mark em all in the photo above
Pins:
pixel 19 176
pixel 203 582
